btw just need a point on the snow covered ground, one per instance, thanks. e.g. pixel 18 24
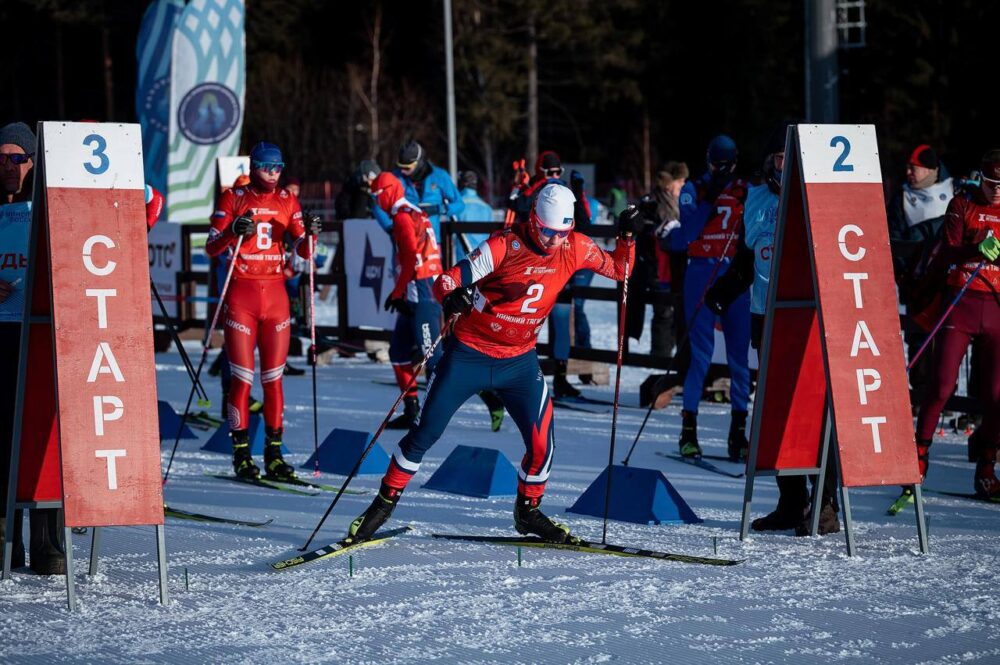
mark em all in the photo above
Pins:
pixel 415 600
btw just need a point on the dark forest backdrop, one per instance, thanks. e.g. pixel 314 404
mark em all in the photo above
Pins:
pixel 332 82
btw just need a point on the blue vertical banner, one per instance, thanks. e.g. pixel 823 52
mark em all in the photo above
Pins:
pixel 207 88
pixel 152 91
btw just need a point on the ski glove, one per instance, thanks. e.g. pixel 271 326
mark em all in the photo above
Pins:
pixel 458 301
pixel 990 248
pixel 630 221
pixel 314 225
pixel 647 207
pixel 398 305
pixel 243 225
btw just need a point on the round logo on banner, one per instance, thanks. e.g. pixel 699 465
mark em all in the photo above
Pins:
pixel 208 113
pixel 157 104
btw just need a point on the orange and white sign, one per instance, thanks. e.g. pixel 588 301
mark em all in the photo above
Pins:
pixel 835 329
pixel 102 323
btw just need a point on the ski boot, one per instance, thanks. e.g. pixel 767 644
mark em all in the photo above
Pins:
pixel 738 445
pixel 528 519
pixel 292 371
pixel 904 499
pixel 560 384
pixel 689 435
pixel 495 406
pixel 255 405
pixel 828 522
pixel 243 465
pixel 275 466
pixel 986 482
pixel 406 420
pixel 368 522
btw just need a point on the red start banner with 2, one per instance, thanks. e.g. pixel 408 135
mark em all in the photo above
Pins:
pixel 833 341
pixel 105 384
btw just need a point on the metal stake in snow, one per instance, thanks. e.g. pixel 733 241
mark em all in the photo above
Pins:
pixel 312 349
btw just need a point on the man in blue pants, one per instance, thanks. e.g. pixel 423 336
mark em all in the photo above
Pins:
pixel 711 225
pixel 499 296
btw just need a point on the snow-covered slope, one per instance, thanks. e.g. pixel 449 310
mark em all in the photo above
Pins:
pixel 418 600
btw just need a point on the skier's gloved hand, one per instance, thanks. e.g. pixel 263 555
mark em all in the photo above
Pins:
pixel 647 207
pixel 458 301
pixel 990 248
pixel 313 223
pixel 243 225
pixel 398 305
pixel 714 299
pixel 630 221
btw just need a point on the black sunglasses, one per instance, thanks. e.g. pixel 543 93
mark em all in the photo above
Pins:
pixel 15 157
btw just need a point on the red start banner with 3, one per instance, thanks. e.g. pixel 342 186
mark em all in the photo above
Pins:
pixel 105 372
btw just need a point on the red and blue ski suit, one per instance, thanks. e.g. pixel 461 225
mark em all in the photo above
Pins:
pixel 418 260
pixel 711 227
pixel 493 347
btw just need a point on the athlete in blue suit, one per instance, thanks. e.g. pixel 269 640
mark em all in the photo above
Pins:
pixel 712 225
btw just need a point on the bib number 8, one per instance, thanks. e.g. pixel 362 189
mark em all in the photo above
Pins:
pixel 264 235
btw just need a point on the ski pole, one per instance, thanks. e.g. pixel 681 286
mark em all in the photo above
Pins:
pixel 206 345
pixel 684 339
pixel 357 465
pixel 944 317
pixel 618 385
pixel 168 322
pixel 312 350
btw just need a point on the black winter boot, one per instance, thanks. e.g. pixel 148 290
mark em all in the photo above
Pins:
pixel 243 464
pixel 47 546
pixel 737 444
pixel 368 522
pixel 275 466
pixel 689 435
pixel 560 384
pixel 406 420
pixel 528 519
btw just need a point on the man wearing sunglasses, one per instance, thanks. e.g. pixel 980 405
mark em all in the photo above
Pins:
pixel 426 186
pixel 970 239
pixel 253 221
pixel 47 547
pixel 501 294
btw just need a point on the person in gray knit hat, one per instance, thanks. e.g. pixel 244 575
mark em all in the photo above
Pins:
pixel 17 151
pixel 47 549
